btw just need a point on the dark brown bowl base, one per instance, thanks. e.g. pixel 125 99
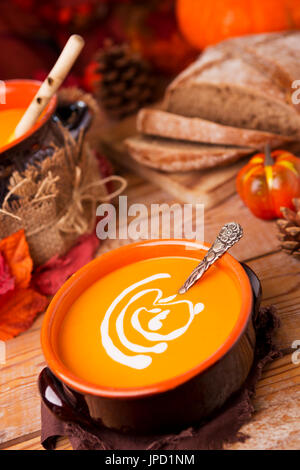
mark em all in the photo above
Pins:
pixel 185 405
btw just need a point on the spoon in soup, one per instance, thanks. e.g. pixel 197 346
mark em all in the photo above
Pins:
pixel 228 236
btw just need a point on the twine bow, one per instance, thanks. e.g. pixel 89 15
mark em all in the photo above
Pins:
pixel 75 220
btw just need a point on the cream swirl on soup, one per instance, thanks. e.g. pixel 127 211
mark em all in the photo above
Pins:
pixel 142 360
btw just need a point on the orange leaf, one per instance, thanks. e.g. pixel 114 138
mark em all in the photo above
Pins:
pixel 16 254
pixel 18 310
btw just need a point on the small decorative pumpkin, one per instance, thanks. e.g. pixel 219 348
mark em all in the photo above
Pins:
pixel 205 23
pixel 269 182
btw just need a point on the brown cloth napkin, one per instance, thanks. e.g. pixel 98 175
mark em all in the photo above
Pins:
pixel 222 427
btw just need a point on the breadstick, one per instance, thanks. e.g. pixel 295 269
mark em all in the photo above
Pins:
pixel 50 85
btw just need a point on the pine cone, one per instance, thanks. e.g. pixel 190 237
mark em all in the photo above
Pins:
pixel 127 82
pixel 289 229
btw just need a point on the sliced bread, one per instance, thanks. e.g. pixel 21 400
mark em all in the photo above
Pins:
pixel 161 123
pixel 175 155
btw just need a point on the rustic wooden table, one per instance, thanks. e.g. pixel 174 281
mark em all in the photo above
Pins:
pixel 276 421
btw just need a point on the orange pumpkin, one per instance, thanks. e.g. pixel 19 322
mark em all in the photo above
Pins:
pixel 294 6
pixel 204 23
pixel 269 182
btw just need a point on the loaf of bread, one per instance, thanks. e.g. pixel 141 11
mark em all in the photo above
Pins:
pixel 236 98
pixel 243 82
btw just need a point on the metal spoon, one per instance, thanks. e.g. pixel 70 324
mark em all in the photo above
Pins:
pixel 229 234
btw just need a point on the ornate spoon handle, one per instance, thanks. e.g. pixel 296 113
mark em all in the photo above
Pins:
pixel 228 236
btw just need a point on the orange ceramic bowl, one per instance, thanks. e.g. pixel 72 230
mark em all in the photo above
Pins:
pixel 19 94
pixel 174 403
pixel 42 139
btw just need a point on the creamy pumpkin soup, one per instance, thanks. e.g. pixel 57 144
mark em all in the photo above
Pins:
pixel 131 328
pixel 9 119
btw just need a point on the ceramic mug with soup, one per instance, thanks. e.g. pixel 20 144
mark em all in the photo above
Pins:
pixel 37 143
pixel 137 355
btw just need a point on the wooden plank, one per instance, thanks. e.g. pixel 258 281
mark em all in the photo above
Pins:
pixel 259 238
pixel 276 421
pixel 35 444
pixel 280 277
pixel 3 352
pixel 274 425
pixel 19 396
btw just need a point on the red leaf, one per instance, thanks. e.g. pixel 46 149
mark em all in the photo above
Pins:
pixel 51 276
pixel 7 282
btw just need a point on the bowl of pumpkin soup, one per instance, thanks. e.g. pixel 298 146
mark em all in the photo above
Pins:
pixel 18 95
pixel 138 355
pixel 44 136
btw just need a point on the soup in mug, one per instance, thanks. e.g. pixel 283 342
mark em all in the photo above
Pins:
pixel 9 119
pixel 132 329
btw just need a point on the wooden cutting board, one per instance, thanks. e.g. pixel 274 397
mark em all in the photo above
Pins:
pixel 208 187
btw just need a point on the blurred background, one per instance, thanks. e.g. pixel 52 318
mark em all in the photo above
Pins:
pixel 167 33
pixel 32 33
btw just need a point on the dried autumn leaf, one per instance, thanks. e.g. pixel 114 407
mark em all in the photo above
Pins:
pixel 7 281
pixel 18 310
pixel 15 251
pixel 50 277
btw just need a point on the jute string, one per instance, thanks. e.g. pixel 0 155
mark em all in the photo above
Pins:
pixel 74 219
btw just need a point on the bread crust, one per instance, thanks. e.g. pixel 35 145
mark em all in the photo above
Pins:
pixel 171 155
pixel 170 125
pixel 262 65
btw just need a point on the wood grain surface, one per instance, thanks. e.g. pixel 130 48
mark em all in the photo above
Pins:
pixel 276 421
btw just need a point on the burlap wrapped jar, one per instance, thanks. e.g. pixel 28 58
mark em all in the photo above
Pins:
pixel 54 193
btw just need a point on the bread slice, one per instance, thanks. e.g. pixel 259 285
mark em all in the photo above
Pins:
pixel 243 83
pixel 161 123
pixel 175 155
